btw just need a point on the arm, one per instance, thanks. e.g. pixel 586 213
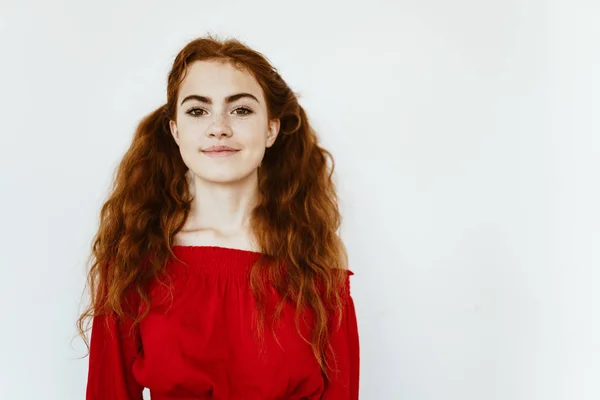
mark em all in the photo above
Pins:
pixel 112 352
pixel 344 378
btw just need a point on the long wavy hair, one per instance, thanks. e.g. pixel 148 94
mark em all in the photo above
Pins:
pixel 295 221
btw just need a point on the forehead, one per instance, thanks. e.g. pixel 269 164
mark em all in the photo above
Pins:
pixel 218 79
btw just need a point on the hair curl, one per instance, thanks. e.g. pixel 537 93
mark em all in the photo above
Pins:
pixel 295 221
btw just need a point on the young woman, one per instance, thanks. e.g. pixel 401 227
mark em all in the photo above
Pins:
pixel 217 269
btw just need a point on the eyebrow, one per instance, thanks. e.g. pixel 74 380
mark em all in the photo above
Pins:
pixel 228 99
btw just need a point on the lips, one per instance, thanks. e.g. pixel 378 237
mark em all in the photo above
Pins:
pixel 221 151
pixel 214 149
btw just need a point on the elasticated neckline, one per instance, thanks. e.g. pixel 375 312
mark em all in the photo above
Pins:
pixel 217 260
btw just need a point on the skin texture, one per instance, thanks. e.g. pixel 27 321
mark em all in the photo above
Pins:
pixel 226 187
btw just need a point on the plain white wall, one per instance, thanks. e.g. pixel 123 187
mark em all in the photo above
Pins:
pixel 465 136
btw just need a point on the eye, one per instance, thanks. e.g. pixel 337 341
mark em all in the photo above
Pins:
pixel 193 112
pixel 244 111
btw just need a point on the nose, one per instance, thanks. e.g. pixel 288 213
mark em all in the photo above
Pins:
pixel 219 127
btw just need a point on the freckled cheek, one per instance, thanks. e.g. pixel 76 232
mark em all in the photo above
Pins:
pixel 191 136
pixel 252 132
pixel 193 128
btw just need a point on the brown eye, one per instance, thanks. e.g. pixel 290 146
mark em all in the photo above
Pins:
pixel 245 111
pixel 195 112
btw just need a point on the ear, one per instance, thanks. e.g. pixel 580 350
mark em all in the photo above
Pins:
pixel 274 126
pixel 174 131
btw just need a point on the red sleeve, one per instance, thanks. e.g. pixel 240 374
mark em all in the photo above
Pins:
pixel 112 352
pixel 344 378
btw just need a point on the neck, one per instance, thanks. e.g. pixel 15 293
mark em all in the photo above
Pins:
pixel 223 207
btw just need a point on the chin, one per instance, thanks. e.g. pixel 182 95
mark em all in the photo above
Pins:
pixel 229 178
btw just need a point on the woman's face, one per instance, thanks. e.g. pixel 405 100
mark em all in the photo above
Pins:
pixel 220 105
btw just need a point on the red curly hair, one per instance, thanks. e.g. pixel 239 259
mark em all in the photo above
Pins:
pixel 295 221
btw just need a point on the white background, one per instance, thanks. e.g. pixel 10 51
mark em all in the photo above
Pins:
pixel 466 141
